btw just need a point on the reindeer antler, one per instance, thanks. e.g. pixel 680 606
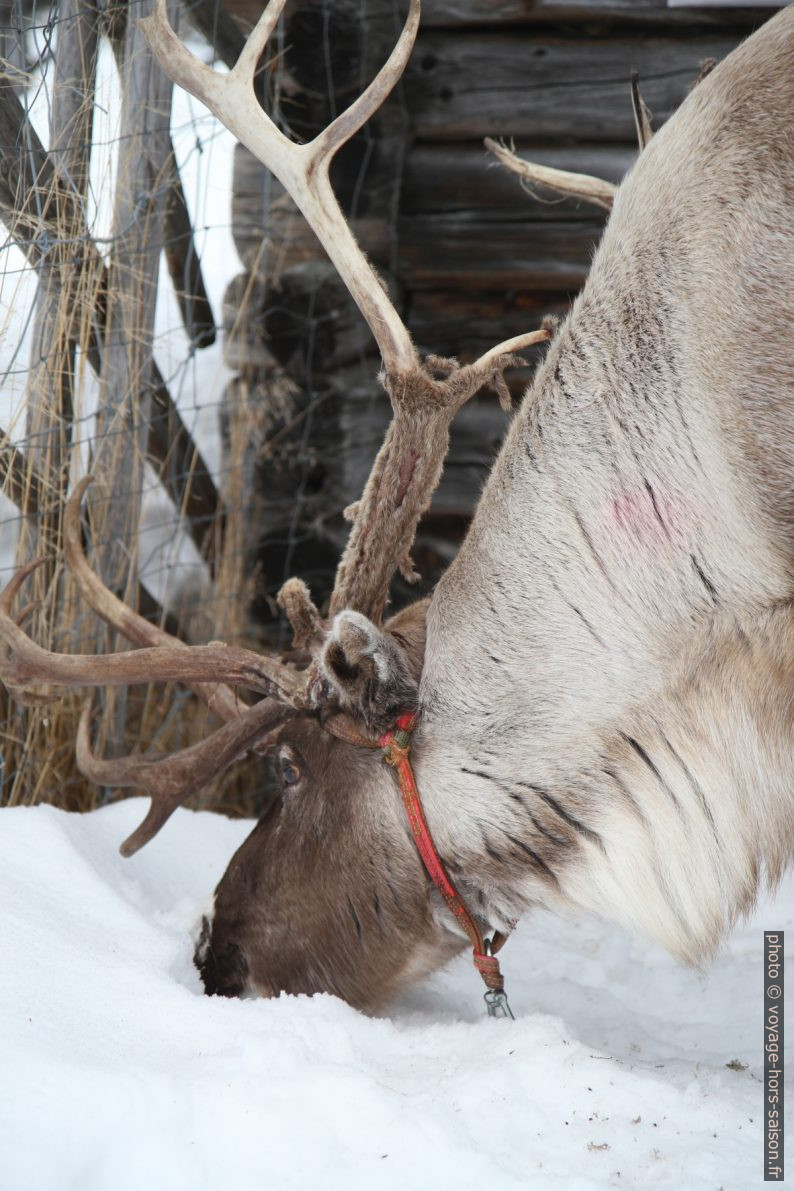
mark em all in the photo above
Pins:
pixel 170 779
pixel 424 398
pixel 584 186
pixel 206 669
pixel 303 170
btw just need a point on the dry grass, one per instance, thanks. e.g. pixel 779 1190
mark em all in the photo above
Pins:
pixel 73 332
pixel 37 750
pixel 38 762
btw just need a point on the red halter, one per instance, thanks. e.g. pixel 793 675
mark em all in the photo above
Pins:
pixel 397 746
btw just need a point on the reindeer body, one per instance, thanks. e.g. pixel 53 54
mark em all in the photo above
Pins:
pixel 607 678
pixel 605 674
pixel 609 675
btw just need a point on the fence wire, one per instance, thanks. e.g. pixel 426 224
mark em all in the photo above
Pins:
pixel 169 324
pixel 121 288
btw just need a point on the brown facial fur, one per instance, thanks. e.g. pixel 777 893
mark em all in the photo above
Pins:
pixel 328 893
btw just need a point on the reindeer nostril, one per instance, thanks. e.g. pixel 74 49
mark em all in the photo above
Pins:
pixel 225 973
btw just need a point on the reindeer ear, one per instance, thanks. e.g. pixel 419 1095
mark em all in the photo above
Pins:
pixel 370 668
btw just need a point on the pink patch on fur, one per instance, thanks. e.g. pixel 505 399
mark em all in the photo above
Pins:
pixel 645 515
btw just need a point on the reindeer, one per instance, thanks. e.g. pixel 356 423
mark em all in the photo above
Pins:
pixel 601 687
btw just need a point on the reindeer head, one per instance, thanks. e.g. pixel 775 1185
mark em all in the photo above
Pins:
pixel 328 892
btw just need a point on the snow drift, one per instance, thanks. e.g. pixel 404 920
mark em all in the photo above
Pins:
pixel 621 1070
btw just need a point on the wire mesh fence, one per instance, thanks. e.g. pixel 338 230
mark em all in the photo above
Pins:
pixel 117 251
pixel 169 325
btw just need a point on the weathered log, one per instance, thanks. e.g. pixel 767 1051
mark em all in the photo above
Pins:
pixel 138 223
pixel 460 179
pixel 273 240
pixel 547 88
pixel 265 326
pixel 304 320
pixel 466 323
pixel 364 182
pixel 642 13
pixel 451 250
pixel 463 248
pixel 437 179
pixel 244 341
pixel 630 14
pixel 451 187
pixel 64 286
pixel 294 489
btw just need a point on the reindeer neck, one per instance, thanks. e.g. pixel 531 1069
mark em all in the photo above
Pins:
pixel 617 570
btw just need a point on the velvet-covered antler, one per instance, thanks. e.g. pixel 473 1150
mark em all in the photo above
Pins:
pixel 425 396
pixel 209 670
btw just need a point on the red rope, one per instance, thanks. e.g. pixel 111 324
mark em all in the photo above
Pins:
pixel 397 746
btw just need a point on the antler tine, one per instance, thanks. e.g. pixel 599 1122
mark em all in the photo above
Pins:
pixel 424 397
pixel 115 613
pixel 245 67
pixel 219 696
pixel 584 186
pixel 23 662
pixel 172 778
pixel 26 663
pixel 7 597
pixel 302 169
pixel 508 347
pixel 9 592
pixel 354 117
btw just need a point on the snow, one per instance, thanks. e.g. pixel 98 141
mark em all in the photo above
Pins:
pixel 119 1073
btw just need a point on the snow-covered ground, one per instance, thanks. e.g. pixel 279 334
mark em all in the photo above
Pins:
pixel 621 1070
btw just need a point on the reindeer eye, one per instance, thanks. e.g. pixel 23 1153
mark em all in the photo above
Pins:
pixel 290 773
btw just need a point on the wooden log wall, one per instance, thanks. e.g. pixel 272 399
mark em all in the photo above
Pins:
pixel 470 256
